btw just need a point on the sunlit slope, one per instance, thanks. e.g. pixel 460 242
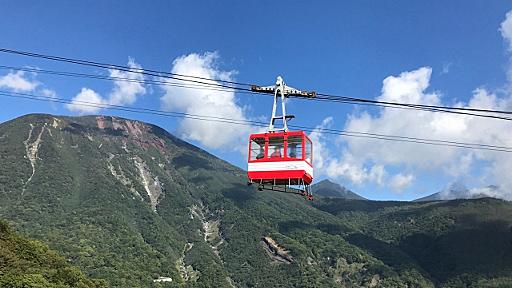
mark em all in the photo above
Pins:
pixel 456 243
pixel 29 263
pixel 130 203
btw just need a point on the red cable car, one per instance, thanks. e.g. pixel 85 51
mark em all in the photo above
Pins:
pixel 280 158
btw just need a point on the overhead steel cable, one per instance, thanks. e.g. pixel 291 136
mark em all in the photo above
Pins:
pixel 237 90
pixel 163 83
pixel 158 82
pixel 322 96
pixel 110 66
pixel 398 138
pixel 323 130
pixel 345 98
pixel 124 79
pixel 211 82
pixel 429 108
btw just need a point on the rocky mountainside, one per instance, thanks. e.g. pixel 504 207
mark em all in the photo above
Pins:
pixel 129 203
pixel 326 188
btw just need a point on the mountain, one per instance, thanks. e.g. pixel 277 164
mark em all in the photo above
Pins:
pixel 29 263
pixel 326 188
pixel 127 202
pixel 459 191
pixel 432 197
pixel 457 243
pixel 130 203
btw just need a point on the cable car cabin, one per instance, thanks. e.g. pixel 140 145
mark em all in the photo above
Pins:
pixel 280 158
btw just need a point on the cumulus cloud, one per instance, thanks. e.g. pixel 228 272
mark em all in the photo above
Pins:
pixel 401 181
pixel 410 87
pixel 506 30
pixel 360 160
pixel 18 82
pixel 212 103
pixel 489 191
pixel 21 81
pixel 127 92
pixel 127 89
pixel 320 151
pixel 458 190
pixel 49 93
pixel 86 102
pixel 351 169
pixel 506 33
pixel 347 166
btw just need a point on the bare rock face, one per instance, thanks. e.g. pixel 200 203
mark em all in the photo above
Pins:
pixel 187 272
pixel 138 133
pixel 121 176
pixel 277 252
pixel 31 148
pixel 211 226
pixel 151 184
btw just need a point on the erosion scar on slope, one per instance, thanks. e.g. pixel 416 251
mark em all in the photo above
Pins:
pixel 31 149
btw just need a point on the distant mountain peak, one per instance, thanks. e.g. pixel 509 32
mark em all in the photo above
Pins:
pixel 458 190
pixel 327 188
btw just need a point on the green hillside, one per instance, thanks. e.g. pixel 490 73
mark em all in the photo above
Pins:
pixel 130 203
pixel 458 243
pixel 28 263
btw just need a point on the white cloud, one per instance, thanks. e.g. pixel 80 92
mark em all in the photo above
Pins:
pixel 86 102
pixel 506 30
pixel 320 151
pixel 446 68
pixel 18 82
pixel 506 33
pixel 346 166
pixel 349 168
pixel 212 103
pixel 377 174
pixel 126 92
pixel 460 166
pixel 490 191
pixel 458 190
pixel 21 81
pixel 410 87
pixel 364 160
pixel 401 181
pixel 49 93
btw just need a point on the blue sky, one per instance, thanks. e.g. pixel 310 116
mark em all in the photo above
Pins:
pixel 339 47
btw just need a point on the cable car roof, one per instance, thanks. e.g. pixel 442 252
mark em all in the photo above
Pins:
pixel 277 134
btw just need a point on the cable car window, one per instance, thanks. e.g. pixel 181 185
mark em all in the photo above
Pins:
pixel 309 150
pixel 276 147
pixel 294 149
pixel 257 148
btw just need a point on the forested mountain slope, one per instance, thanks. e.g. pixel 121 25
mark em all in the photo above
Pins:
pixel 128 202
pixel 457 243
pixel 29 263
